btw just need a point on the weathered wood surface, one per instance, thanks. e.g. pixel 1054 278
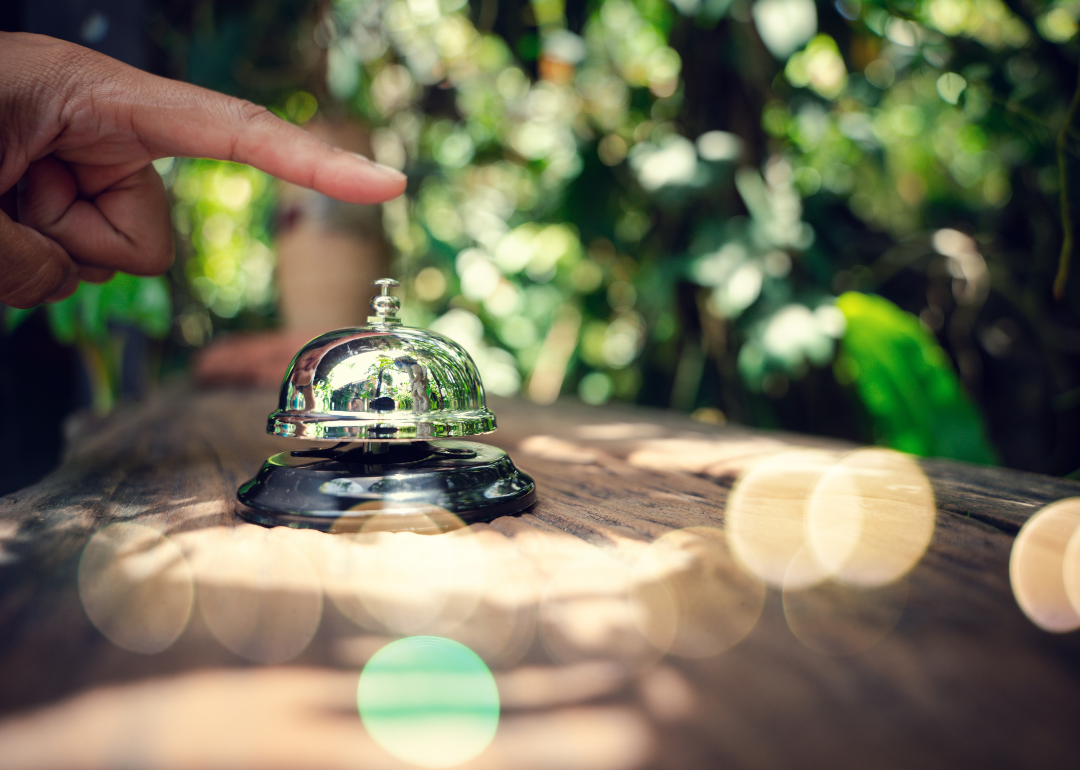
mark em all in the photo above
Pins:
pixel 958 676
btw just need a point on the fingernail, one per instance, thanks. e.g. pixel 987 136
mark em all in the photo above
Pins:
pixel 391 174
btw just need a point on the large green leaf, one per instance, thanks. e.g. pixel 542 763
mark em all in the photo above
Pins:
pixel 907 383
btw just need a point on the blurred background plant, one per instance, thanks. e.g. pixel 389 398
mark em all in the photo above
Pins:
pixel 109 325
pixel 843 218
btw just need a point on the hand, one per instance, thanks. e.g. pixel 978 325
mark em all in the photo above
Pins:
pixel 78 132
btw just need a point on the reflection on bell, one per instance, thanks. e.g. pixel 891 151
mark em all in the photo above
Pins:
pixel 382 397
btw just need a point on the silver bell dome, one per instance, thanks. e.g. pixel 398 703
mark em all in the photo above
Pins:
pixel 381 382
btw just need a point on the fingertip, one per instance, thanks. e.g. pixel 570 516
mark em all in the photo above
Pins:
pixel 387 182
pixel 392 175
pixel 397 186
pixel 360 180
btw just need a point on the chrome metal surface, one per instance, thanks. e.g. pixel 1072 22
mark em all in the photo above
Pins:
pixel 379 391
pixel 381 382
pixel 339 489
pixel 385 305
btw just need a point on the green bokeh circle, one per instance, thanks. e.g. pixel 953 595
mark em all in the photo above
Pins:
pixel 429 701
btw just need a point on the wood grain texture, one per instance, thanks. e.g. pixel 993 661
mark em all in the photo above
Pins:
pixel 957 677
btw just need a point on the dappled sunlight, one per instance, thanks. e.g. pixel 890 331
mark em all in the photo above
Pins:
pixel 576 738
pixel 667 694
pixel 558 450
pixel 267 718
pixel 136 587
pixel 282 718
pixel 258 593
pixel 502 627
pixel 586 613
pixel 619 431
pixel 426 580
pixel 704 456
pixel 689 596
pixel 551 550
pixel 546 686
pixel 835 533
pixel 1044 567
pixel 436 576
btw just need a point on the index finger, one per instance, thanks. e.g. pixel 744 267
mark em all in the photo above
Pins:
pixel 173 118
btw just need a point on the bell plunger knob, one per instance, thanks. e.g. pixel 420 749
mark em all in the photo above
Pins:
pixel 385 305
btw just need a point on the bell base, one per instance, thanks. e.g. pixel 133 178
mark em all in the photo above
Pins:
pixel 339 489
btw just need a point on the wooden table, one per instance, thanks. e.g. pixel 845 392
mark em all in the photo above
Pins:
pixel 953 674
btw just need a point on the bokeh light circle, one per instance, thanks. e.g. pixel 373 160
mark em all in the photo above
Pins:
pixel 136 587
pixel 766 513
pixel 689 596
pixel 258 593
pixel 1037 566
pixel 837 618
pixel 429 701
pixel 871 517
pixel 424 578
pixel 586 614
pixel 1070 571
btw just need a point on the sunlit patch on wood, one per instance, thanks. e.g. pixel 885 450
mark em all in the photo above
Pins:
pixel 586 614
pixel 258 593
pixel 136 587
pixel 689 596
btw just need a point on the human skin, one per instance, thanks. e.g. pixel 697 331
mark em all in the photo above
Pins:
pixel 78 133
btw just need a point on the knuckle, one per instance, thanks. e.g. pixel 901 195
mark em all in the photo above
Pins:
pixel 27 288
pixel 248 113
pixel 247 120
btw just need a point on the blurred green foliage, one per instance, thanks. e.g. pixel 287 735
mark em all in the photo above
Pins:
pixel 661 201
pixel 223 214
pixel 93 320
pixel 143 303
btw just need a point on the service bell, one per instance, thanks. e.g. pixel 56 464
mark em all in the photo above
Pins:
pixel 387 400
